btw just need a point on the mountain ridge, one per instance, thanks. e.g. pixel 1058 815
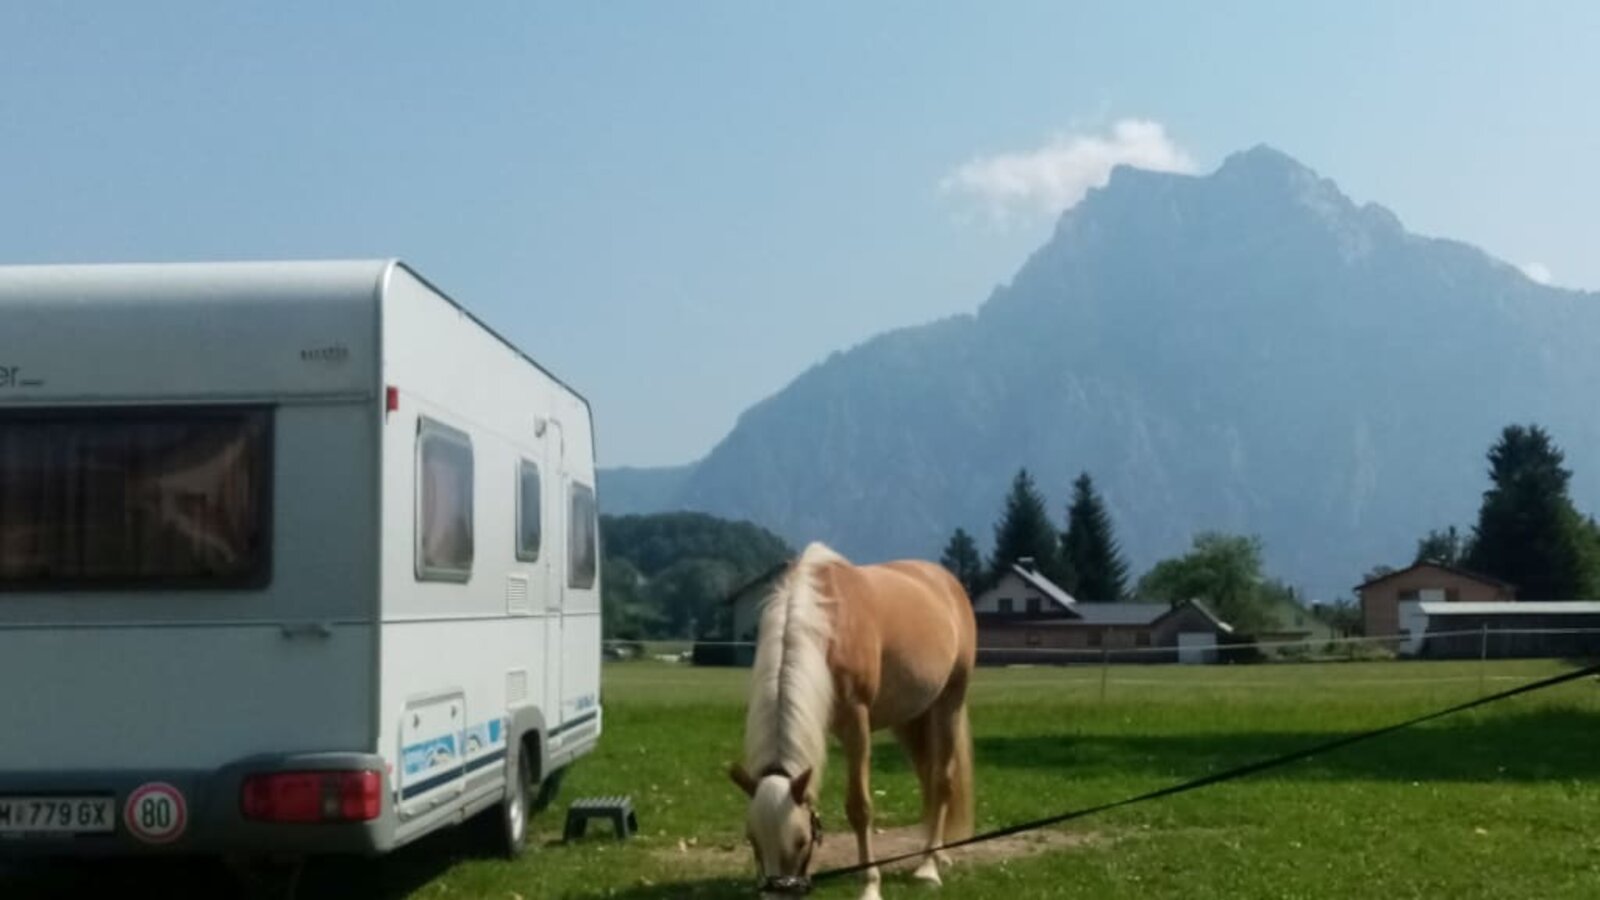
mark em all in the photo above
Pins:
pixel 1247 350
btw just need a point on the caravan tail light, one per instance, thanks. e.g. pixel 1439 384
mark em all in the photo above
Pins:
pixel 391 399
pixel 312 797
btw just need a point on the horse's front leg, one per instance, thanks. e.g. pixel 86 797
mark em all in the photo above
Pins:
pixel 855 735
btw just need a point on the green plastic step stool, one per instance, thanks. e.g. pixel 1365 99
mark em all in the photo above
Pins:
pixel 617 810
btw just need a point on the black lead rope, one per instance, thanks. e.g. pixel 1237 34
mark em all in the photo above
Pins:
pixel 1219 777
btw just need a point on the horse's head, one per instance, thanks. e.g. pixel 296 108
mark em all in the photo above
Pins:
pixel 782 827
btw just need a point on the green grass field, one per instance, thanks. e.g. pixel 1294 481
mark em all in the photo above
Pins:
pixel 1494 803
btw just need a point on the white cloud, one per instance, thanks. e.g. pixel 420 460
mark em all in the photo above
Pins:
pixel 1053 178
pixel 1537 272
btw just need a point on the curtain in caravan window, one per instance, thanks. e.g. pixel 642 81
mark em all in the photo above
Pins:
pixel 134 498
pixel 444 529
pixel 582 541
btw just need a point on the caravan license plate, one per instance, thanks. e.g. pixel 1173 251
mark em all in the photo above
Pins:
pixel 57 815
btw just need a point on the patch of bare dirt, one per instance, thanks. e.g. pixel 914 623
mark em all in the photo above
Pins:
pixel 839 849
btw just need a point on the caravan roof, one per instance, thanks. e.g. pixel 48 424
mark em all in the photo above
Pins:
pixel 124 315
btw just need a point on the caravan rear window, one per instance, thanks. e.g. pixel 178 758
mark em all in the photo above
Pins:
pixel 124 497
pixel 444 503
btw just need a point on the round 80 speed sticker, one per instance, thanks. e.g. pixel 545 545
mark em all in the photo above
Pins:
pixel 155 813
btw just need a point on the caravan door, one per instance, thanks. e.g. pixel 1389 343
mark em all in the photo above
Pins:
pixel 555 582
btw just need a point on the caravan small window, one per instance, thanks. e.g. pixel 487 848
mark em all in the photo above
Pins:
pixel 130 497
pixel 528 511
pixel 444 503
pixel 582 540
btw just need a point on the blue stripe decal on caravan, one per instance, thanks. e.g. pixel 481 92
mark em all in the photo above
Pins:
pixel 444 778
pixel 488 759
pixel 428 784
pixel 568 726
pixel 434 753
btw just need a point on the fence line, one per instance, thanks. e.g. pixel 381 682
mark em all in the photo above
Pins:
pixel 1100 654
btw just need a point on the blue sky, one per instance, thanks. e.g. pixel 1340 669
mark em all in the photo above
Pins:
pixel 679 207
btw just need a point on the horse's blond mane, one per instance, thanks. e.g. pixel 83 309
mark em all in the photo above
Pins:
pixel 791 689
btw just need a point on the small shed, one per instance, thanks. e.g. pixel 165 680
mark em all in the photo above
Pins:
pixel 733 644
pixel 1193 629
pixel 1568 629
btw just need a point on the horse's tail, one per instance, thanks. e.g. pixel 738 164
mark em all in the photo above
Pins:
pixel 959 819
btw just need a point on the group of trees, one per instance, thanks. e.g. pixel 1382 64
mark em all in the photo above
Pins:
pixel 666 575
pixel 1225 572
pixel 1529 533
pixel 1084 558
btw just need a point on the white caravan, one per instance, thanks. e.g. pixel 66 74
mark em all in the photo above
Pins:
pixel 294 558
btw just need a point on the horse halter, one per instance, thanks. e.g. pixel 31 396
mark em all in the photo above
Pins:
pixel 787 885
pixel 796 885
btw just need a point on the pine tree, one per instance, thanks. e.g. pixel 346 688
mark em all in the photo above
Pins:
pixel 1024 531
pixel 1098 573
pixel 1528 531
pixel 961 558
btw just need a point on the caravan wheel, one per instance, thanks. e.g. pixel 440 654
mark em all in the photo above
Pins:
pixel 505 825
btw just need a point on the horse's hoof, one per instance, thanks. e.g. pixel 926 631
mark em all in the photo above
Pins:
pixel 928 873
pixel 871 893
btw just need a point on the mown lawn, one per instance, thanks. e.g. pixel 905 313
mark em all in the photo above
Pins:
pixel 1494 803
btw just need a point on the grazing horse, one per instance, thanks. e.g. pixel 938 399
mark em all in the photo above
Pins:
pixel 856 649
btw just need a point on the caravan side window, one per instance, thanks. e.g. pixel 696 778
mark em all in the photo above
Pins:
pixel 528 524
pixel 444 503
pixel 582 540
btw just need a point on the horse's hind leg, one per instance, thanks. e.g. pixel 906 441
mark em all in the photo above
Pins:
pixel 935 790
pixel 947 782
pixel 855 736
pixel 913 740
pixel 920 740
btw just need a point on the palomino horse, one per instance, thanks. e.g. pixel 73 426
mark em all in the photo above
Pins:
pixel 855 649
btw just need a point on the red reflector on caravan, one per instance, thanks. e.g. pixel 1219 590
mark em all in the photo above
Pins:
pixel 391 399
pixel 360 796
pixel 312 797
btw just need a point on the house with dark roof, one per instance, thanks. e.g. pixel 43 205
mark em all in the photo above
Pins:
pixel 1027 618
pixel 1424 582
